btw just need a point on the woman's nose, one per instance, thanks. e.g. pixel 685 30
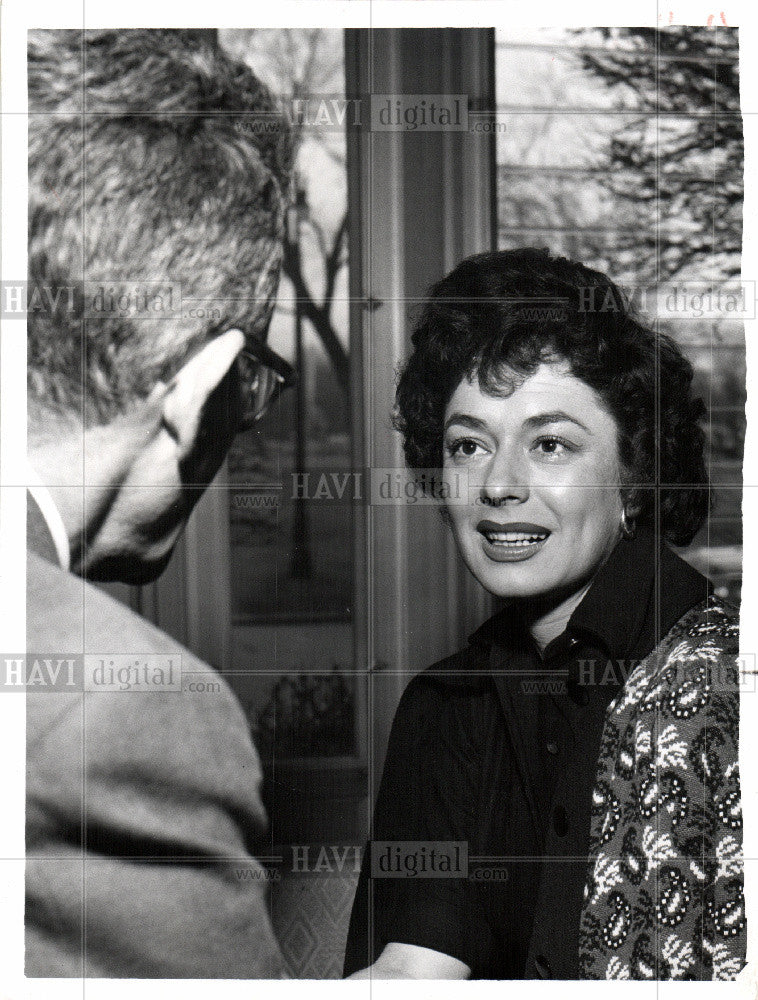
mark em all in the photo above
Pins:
pixel 506 479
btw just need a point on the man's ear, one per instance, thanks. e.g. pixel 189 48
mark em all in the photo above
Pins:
pixel 189 390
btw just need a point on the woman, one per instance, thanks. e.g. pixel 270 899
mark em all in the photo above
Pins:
pixel 582 750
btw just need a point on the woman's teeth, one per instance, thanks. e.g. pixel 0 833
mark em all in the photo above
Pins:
pixel 513 538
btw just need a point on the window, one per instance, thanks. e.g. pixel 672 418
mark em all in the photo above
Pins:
pixel 290 480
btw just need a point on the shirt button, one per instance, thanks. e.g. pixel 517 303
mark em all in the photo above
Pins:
pixel 560 821
pixel 551 747
pixel 542 966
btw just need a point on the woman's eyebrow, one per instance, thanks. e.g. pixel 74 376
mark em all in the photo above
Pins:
pixel 554 417
pixel 466 420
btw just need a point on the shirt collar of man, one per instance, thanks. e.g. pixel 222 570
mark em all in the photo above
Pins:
pixel 618 613
pixel 46 532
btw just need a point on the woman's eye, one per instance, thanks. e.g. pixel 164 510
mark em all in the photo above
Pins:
pixel 464 448
pixel 553 446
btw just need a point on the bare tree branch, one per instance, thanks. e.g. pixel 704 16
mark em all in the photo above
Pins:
pixel 683 156
pixel 306 67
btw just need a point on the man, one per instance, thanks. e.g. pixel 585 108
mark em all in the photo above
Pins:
pixel 158 172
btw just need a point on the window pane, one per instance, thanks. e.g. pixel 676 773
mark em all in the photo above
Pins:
pixel 291 514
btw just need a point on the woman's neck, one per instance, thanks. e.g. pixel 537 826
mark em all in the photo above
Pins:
pixel 546 624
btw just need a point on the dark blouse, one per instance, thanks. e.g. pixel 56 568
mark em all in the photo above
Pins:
pixel 497 747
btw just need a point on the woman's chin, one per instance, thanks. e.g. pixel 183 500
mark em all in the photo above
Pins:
pixel 524 581
pixel 511 581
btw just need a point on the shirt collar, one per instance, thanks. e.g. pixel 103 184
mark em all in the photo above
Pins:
pixel 51 517
pixel 618 613
pixel 624 610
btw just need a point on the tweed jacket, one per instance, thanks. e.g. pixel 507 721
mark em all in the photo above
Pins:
pixel 143 806
pixel 664 894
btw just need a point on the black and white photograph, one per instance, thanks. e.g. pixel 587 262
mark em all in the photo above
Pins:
pixel 382 491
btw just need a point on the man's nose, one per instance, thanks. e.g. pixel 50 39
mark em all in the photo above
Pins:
pixel 506 480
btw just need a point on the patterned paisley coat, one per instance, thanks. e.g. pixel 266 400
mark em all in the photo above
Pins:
pixel 664 894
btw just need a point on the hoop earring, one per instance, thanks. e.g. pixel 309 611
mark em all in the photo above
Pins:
pixel 628 527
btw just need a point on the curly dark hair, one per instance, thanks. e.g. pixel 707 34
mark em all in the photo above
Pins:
pixel 508 311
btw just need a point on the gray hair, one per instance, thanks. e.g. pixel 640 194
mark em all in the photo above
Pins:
pixel 153 157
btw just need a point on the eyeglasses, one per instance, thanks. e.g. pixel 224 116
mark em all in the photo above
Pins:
pixel 264 376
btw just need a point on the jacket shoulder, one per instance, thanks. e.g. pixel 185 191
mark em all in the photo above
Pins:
pixel 67 617
pixel 713 622
pixel 704 639
pixel 65 614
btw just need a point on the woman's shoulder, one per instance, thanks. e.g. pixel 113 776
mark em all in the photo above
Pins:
pixel 693 666
pixel 456 685
pixel 712 624
pixel 463 669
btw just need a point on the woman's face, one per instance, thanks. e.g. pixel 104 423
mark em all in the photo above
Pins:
pixel 544 508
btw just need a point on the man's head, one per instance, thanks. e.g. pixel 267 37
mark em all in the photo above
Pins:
pixel 158 180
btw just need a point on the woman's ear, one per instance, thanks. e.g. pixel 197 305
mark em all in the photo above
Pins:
pixel 632 504
pixel 631 508
pixel 189 390
pixel 631 499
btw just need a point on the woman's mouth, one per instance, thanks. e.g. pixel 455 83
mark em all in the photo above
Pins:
pixel 512 542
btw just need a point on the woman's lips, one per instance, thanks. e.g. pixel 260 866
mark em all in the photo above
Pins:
pixel 513 541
